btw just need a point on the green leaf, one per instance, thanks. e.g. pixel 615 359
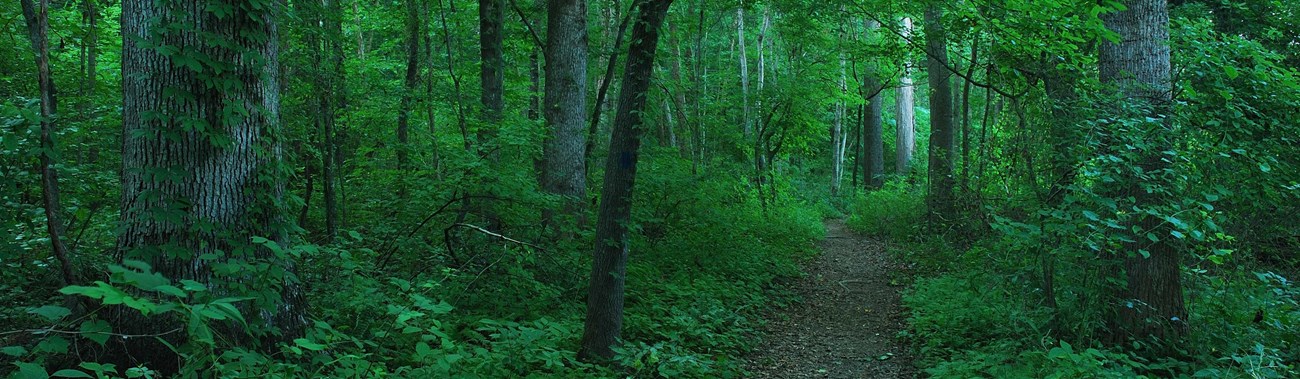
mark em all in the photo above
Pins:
pixel 53 344
pixel 1090 215
pixel 96 330
pixel 308 344
pixel 30 371
pixel 51 312
pixel 69 373
pixel 1231 71
pixel 170 290
pixel 13 351
pixel 1177 234
pixel 1264 167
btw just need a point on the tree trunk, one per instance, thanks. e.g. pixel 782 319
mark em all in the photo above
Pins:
pixel 225 179
pixel 873 124
pixel 38 24
pixel 610 67
pixel 491 17
pixel 744 70
pixel 905 118
pixel 91 13
pixel 605 295
pixel 837 130
pixel 564 161
pixel 941 122
pixel 413 23
pixel 1152 304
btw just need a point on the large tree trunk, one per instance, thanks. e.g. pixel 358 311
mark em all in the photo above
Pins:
pixel 333 104
pixel 905 118
pixel 200 173
pixel 941 121
pixel 873 124
pixel 565 103
pixel 605 295
pixel 1138 66
pixel 38 25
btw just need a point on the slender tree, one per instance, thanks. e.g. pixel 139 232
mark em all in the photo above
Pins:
pixel 605 295
pixel 905 100
pixel 38 26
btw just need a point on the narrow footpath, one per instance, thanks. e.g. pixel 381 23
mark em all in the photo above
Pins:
pixel 847 323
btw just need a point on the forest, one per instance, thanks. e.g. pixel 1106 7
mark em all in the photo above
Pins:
pixel 650 188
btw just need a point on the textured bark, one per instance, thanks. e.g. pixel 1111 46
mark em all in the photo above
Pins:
pixel 565 103
pixel 1151 304
pixel 905 119
pixel 873 125
pixel 188 193
pixel 604 321
pixel 38 24
pixel 941 121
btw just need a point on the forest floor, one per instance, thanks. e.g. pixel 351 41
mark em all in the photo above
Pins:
pixel 847 321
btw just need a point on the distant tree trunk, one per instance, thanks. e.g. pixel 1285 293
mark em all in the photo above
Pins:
pixel 564 160
pixel 491 18
pixel 744 70
pixel 1138 66
pixel 225 179
pixel 905 118
pixel 837 130
pixel 965 113
pixel 760 127
pixel 873 124
pixel 873 120
pixel 604 321
pixel 941 122
pixel 333 104
pixel 413 23
pixel 535 83
pixel 91 14
pixel 611 67
pixel 38 24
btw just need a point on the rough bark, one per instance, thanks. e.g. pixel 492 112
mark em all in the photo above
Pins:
pixel 1151 304
pixel 604 321
pixel 491 18
pixel 905 119
pixel 565 103
pixel 873 125
pixel 941 117
pixel 189 193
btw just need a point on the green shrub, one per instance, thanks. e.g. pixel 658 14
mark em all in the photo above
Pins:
pixel 894 212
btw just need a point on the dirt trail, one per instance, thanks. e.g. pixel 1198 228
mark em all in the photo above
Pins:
pixel 848 320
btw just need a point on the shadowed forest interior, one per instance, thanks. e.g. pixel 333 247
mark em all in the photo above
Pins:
pixel 644 188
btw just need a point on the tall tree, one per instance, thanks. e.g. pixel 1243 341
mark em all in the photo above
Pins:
pixel 941 115
pixel 608 270
pixel 201 164
pixel 873 122
pixel 1138 66
pixel 491 18
pixel 744 69
pixel 413 24
pixel 38 27
pixel 905 118
pixel 563 153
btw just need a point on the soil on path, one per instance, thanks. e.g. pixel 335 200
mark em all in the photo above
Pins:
pixel 847 322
